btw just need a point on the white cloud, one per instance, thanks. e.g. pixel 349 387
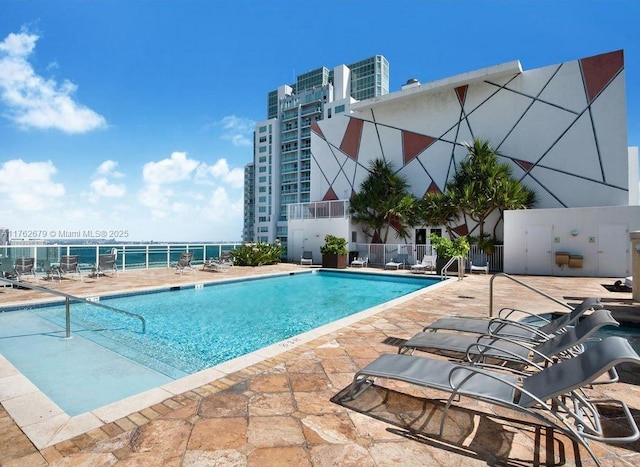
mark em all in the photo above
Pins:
pixel 220 170
pixel 108 169
pixel 32 101
pixel 175 169
pixel 101 186
pixel 29 186
pixel 178 187
pixel 238 130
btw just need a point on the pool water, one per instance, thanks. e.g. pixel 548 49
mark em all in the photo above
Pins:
pixel 187 329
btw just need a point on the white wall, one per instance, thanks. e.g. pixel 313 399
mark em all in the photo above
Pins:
pixel 308 235
pixel 599 235
pixel 634 176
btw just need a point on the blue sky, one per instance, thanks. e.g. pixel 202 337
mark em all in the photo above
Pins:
pixel 137 116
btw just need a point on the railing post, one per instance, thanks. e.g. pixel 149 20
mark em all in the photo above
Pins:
pixel 67 312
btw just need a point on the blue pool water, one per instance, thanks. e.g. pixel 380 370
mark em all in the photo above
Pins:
pixel 187 330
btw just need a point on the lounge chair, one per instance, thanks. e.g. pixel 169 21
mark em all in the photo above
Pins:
pixel 68 265
pixel 553 395
pixel 306 258
pixel 397 262
pixel 106 264
pixel 220 264
pixel 505 351
pixel 184 263
pixel 428 262
pixel 506 327
pixel 479 263
pixel 360 261
pixel 24 267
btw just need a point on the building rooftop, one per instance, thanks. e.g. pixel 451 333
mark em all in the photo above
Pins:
pixel 277 410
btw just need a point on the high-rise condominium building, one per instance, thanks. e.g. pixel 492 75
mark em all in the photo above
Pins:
pixel 282 143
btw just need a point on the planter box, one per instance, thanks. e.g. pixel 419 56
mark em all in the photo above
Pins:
pixel 334 261
pixel 575 261
pixel 562 258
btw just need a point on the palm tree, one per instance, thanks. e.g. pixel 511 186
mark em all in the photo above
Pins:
pixel 440 209
pixel 384 202
pixel 480 185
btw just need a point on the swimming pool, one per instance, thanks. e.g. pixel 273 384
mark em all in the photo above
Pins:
pixel 188 330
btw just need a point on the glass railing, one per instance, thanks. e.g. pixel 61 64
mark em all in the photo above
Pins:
pixel 128 256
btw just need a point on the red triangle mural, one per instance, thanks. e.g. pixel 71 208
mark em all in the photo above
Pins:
pixel 598 71
pixel 461 92
pixel 395 223
pixel 330 195
pixel 461 229
pixel 351 140
pixel 316 129
pixel 527 166
pixel 413 144
pixel 433 188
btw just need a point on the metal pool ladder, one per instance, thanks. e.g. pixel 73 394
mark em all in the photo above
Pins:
pixel 67 302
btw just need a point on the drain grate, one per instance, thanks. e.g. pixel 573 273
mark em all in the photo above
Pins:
pixel 395 341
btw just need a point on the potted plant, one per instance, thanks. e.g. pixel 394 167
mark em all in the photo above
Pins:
pixel 334 252
pixel 446 249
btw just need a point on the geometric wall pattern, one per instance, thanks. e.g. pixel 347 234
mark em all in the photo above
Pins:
pixel 562 129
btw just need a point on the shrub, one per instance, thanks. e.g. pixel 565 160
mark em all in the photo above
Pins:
pixel 334 245
pixel 257 254
pixel 446 248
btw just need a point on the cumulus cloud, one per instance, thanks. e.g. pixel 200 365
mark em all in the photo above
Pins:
pixel 101 185
pixel 175 169
pixel 221 171
pixel 28 186
pixel 32 101
pixel 174 186
pixel 236 129
pixel 108 169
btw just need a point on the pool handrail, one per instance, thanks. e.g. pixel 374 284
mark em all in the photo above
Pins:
pixel 533 289
pixel 68 298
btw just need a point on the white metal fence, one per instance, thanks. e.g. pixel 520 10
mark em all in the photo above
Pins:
pixel 380 254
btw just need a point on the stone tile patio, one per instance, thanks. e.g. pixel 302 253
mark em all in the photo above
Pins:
pixel 278 411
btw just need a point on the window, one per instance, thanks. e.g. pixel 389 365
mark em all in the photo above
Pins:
pixel 262 149
pixel 262 189
pixel 262 169
pixel 263 129
pixel 262 219
pixel 328 113
pixel 339 108
pixel 262 179
pixel 262 199
pixel 262 209
pixel 262 159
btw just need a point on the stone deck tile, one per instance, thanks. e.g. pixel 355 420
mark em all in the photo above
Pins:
pixel 277 412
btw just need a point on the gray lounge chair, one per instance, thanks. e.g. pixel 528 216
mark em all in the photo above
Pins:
pixel 106 264
pixel 506 351
pixel 184 263
pixel 428 262
pixel 553 395
pixel 306 258
pixel 24 267
pixel 221 264
pixel 398 262
pixel 68 265
pixel 360 261
pixel 505 327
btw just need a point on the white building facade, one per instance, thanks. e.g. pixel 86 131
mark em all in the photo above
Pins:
pixel 561 128
pixel 282 143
